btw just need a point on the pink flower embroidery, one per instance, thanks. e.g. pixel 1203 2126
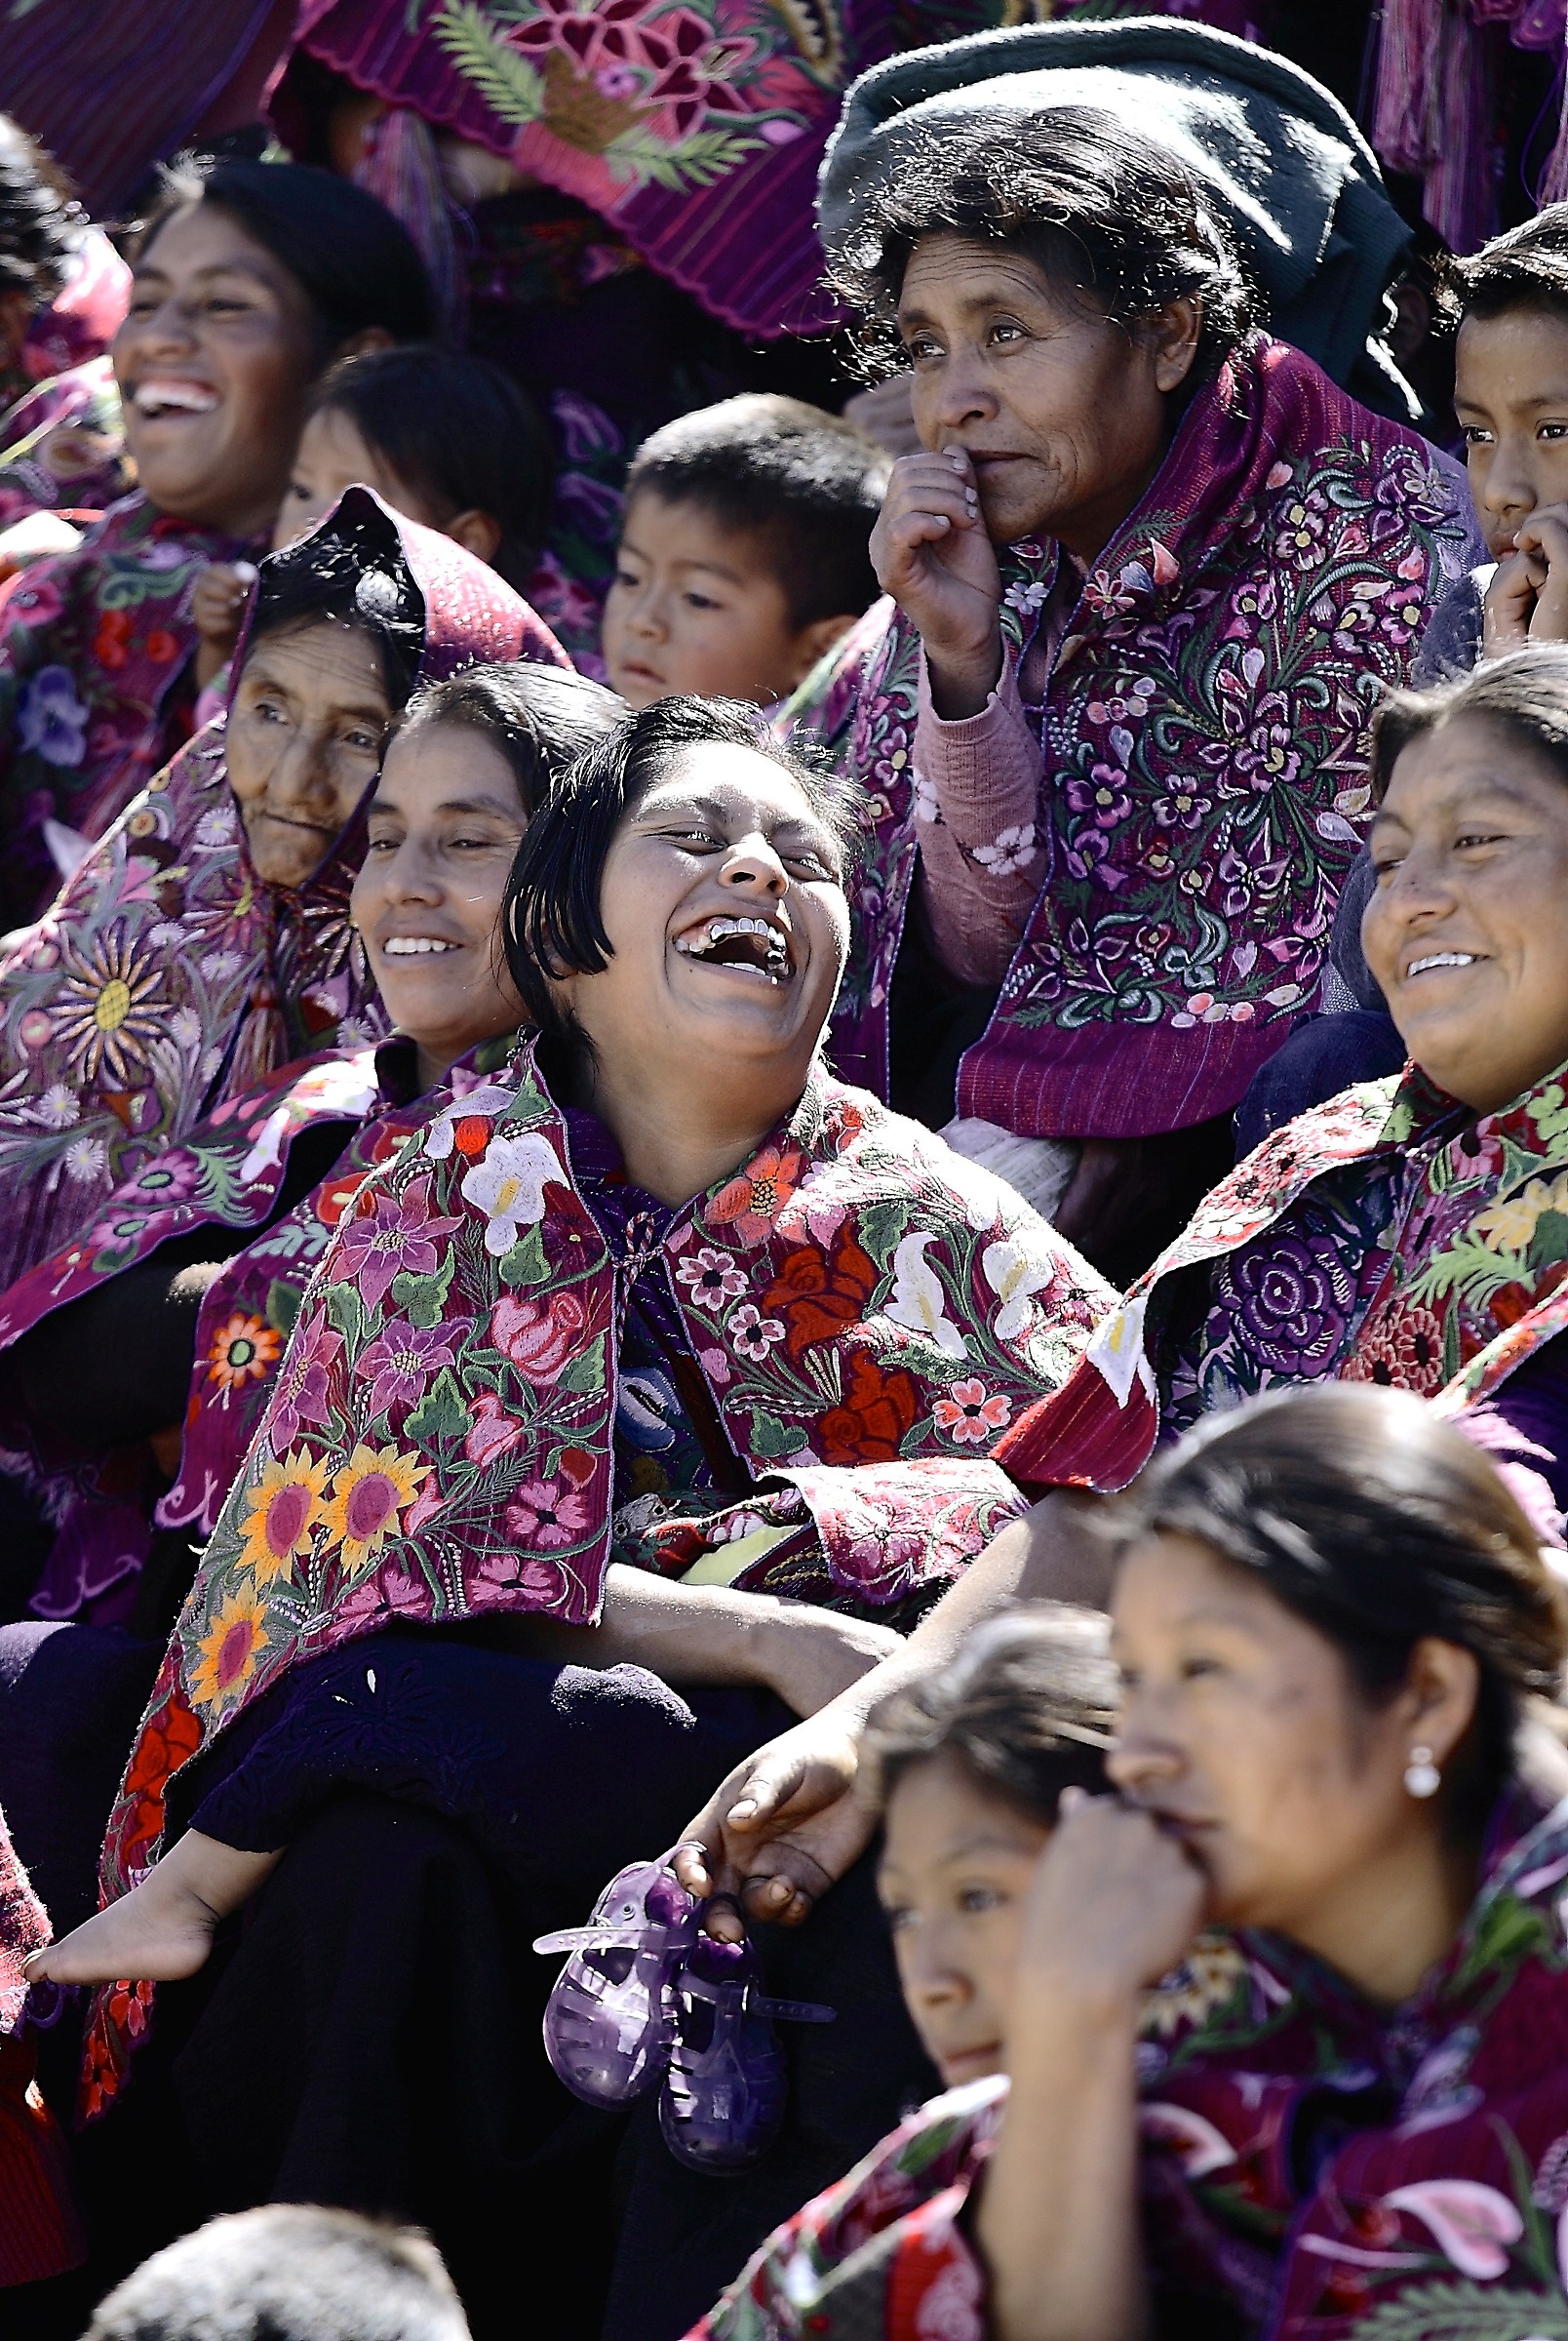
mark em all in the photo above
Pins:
pixel 753 1333
pixel 493 1432
pixel 711 1277
pixel 1473 2225
pixel 969 1416
pixel 539 1336
pixel 545 1512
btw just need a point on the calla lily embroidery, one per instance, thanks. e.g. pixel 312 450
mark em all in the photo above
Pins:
pixel 919 1301
pixel 1473 2225
pixel 508 1186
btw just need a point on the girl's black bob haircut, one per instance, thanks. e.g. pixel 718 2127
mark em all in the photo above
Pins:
pixel 1106 218
pixel 1026 1707
pixel 551 919
pixel 539 718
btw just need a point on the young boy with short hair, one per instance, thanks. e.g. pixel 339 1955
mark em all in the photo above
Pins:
pixel 743 556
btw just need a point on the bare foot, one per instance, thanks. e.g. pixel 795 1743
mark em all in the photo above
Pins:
pixel 163 1928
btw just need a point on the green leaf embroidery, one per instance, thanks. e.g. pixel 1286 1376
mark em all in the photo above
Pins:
pixel 440 1414
pixel 422 1298
pixel 882 1228
pixel 525 1263
pixel 585 1375
pixel 283 1305
pixel 345 1313
pixel 1465 2312
pixel 771 1438
pixel 509 84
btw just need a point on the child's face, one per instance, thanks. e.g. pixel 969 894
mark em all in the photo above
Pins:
pixel 695 607
pixel 1511 395
pixel 955 1868
pixel 329 458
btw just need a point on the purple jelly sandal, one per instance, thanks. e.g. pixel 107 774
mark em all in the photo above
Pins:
pixel 724 2096
pixel 608 2027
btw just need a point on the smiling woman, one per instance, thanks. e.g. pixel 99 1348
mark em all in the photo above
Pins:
pixel 1411 1231
pixel 205 939
pixel 248 282
pixel 1121 656
pixel 584 1367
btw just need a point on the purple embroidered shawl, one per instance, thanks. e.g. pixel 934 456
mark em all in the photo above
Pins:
pixel 1203 736
pixel 694 127
pixel 94 697
pixel 168 976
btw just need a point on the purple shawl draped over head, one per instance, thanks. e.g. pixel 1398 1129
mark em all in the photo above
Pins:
pixel 694 127
pixel 1202 740
pixel 168 976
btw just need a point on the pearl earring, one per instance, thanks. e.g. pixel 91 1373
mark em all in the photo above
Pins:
pixel 1422 1776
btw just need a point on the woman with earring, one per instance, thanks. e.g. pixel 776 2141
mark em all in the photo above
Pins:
pixel 1287 2043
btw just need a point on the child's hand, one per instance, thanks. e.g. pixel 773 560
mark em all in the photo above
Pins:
pixel 1527 601
pixel 930 551
pixel 217 607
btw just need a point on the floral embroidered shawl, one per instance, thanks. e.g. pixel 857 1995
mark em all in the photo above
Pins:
pixel 168 976
pixel 93 698
pixel 227 1174
pixel 694 127
pixel 1202 739
pixel 1311 2166
pixel 62 447
pixel 1389 1236
pixel 438 1441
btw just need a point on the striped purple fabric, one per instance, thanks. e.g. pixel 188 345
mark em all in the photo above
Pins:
pixel 110 89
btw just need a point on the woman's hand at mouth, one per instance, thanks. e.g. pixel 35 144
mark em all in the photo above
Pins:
pixel 931 553
pixel 1527 601
pixel 1114 1904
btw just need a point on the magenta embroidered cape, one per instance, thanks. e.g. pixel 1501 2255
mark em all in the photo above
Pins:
pixel 437 1444
pixel 1389 1236
pixel 167 978
pixel 1202 739
pixel 1311 2166
pixel 694 127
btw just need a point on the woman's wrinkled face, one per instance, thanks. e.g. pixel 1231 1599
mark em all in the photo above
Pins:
pixel 213 361
pixel 723 898
pixel 444 824
pixel 1466 931
pixel 304 742
pixel 955 1868
pixel 1061 412
pixel 1242 1728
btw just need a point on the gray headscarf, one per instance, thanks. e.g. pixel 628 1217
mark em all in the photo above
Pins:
pixel 1285 167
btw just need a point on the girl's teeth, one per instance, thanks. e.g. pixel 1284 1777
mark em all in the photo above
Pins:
pixel 409 946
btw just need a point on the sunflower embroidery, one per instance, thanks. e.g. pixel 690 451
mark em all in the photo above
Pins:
pixel 228 1651
pixel 366 1506
pixel 243 1351
pixel 110 1012
pixel 285 1506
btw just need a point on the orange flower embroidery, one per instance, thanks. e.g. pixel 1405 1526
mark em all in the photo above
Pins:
pixel 243 1351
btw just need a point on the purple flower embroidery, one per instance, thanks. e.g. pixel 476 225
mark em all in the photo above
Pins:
pixel 51 720
pixel 1103 796
pixel 1290 1298
pixel 302 1394
pixel 399 1237
pixel 400 1363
